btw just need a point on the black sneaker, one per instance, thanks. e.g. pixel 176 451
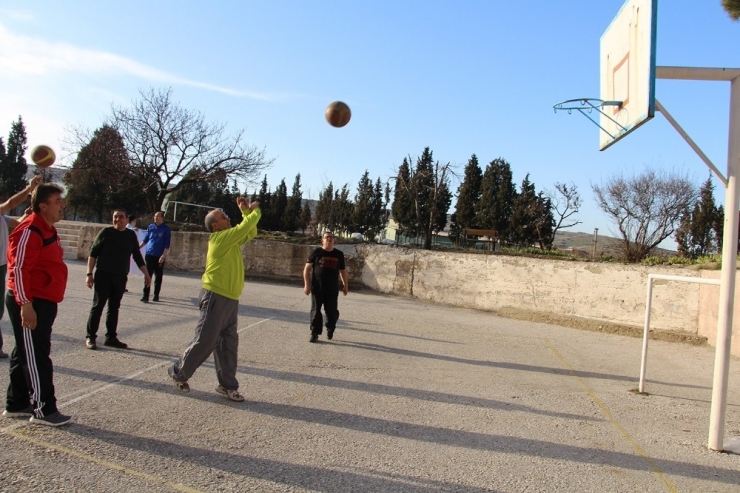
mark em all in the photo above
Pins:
pixel 3 354
pixel 90 344
pixel 156 298
pixel 115 343
pixel 329 334
pixel 23 413
pixel 314 337
pixel 54 419
pixel 144 299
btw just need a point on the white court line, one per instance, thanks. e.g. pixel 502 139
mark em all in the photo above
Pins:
pixel 256 323
pixel 116 382
pixel 21 422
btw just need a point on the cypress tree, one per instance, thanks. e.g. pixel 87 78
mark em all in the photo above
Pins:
pixel 403 207
pixel 343 208
pixel 264 198
pixel 293 208
pixel 422 198
pixel 279 203
pixel 14 167
pixel 544 221
pixel 101 178
pixel 304 221
pixel 523 215
pixel 498 192
pixel 698 232
pixel 362 216
pixel 468 195
pixel 380 211
pixel 2 159
pixel 325 210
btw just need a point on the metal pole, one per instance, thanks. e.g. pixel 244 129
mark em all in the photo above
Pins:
pixel 646 335
pixel 727 286
pixel 596 240
pixel 696 73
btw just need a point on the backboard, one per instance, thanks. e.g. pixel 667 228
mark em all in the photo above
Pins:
pixel 628 70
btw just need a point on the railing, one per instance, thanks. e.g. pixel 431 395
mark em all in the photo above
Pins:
pixel 174 212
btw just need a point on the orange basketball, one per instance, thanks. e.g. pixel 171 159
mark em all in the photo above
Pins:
pixel 337 114
pixel 43 156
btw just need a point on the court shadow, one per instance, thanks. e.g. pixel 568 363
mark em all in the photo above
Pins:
pixel 422 395
pixel 310 477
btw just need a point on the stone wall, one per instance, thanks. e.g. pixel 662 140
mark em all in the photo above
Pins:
pixel 709 311
pixel 544 289
pixel 262 258
pixel 599 291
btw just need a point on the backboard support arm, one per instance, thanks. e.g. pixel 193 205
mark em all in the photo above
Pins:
pixel 690 141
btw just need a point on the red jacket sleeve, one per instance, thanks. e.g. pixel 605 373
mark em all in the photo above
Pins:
pixel 25 250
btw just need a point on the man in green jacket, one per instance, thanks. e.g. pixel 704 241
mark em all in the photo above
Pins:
pixel 223 282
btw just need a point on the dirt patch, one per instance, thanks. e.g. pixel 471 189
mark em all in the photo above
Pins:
pixel 600 326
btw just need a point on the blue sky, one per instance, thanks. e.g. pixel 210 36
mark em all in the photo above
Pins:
pixel 460 77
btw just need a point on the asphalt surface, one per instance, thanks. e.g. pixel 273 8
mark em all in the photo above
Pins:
pixel 408 396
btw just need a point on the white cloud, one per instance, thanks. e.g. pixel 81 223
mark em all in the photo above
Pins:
pixel 23 56
pixel 17 14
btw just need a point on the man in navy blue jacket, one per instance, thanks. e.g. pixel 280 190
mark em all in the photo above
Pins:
pixel 157 241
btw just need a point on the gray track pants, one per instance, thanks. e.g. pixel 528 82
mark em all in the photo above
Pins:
pixel 215 333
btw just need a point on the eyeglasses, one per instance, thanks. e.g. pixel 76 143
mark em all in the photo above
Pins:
pixel 225 217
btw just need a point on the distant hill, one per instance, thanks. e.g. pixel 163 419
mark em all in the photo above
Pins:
pixel 584 242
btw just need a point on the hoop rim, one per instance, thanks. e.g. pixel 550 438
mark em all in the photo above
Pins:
pixel 570 104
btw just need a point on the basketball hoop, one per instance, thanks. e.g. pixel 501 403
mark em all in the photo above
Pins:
pixel 585 106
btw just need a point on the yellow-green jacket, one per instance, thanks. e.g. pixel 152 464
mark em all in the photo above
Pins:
pixel 224 273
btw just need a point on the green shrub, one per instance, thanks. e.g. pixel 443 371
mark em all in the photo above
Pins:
pixel 706 259
pixel 680 261
pixel 534 251
pixel 654 260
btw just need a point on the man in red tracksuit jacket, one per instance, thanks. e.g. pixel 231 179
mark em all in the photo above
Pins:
pixel 36 284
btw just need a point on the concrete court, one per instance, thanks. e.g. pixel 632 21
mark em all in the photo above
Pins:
pixel 408 396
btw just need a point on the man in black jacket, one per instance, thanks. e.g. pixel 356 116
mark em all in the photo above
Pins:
pixel 111 251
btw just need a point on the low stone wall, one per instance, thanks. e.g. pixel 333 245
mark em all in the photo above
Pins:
pixel 709 311
pixel 262 259
pixel 613 293
pixel 548 290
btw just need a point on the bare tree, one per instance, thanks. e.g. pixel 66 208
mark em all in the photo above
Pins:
pixel 170 146
pixel 646 208
pixel 564 201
